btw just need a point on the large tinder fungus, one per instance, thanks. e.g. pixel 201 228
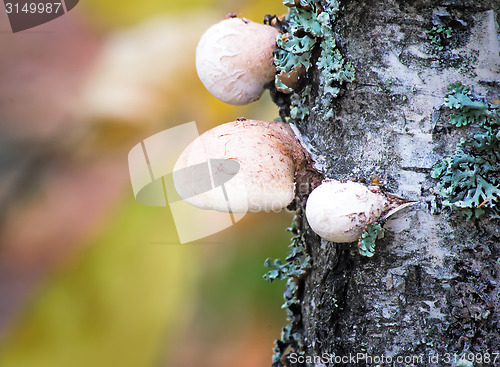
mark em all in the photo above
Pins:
pixel 268 156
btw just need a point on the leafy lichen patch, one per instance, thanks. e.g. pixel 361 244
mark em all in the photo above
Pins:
pixel 308 27
pixel 469 179
pixel 366 243
pixel 297 265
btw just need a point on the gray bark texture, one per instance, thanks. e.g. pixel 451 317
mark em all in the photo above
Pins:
pixel 432 288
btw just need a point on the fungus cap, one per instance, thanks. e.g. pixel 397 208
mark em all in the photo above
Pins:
pixel 235 60
pixel 268 154
pixel 339 212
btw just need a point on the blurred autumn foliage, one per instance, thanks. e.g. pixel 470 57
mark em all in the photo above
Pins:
pixel 86 274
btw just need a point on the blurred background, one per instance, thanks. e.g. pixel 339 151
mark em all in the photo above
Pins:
pixel 86 278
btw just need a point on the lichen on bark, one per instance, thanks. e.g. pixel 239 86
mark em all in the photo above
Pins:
pixel 431 289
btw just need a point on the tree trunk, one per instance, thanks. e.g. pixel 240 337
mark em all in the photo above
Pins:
pixel 430 294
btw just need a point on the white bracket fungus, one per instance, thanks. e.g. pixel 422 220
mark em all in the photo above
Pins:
pixel 269 155
pixel 235 60
pixel 340 211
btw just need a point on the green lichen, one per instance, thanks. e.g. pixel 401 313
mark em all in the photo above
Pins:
pixel 308 27
pixel 366 243
pixel 335 71
pixel 297 264
pixel 296 45
pixel 298 110
pixel 469 179
pixel 439 36
pixel 470 109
